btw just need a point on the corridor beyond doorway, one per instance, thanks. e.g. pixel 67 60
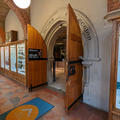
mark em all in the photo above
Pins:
pixel 59 83
pixel 58 66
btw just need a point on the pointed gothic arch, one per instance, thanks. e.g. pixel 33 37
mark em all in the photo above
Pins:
pixel 23 15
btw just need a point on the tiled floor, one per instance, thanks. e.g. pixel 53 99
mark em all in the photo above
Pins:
pixel 60 79
pixel 13 94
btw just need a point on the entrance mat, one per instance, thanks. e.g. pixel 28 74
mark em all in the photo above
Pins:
pixel 31 110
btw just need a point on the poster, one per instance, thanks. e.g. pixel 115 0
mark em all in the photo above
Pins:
pixel 7 57
pixel 21 58
pixel 118 82
pixel 13 57
pixel 2 57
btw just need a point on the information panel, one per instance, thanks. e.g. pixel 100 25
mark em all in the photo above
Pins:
pixel 13 57
pixel 7 57
pixel 35 54
pixel 21 58
pixel 118 81
pixel 2 57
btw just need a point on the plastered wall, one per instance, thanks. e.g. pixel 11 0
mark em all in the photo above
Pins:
pixel 12 23
pixel 97 90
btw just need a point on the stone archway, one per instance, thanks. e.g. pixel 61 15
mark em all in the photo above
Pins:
pixel 23 15
pixel 48 32
pixel 50 41
pixel 89 36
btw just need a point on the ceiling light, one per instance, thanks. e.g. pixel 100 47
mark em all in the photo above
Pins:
pixel 22 3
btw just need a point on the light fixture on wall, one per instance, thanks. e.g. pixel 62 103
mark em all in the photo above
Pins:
pixel 22 3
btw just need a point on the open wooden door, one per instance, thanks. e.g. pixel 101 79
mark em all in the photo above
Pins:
pixel 74 68
pixel 37 62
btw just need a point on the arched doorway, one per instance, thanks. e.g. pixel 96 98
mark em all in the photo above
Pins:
pixel 89 36
pixel 23 15
pixel 58 29
pixel 59 55
pixel 72 80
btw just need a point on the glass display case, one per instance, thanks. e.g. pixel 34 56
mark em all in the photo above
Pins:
pixel 7 57
pixel 13 57
pixel 118 80
pixel 21 58
pixel 13 60
pixel 114 101
pixel 2 57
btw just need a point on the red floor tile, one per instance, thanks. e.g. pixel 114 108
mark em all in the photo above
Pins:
pixel 13 94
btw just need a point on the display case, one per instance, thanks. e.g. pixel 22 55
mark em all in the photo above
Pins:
pixel 2 57
pixel 7 57
pixel 21 58
pixel 13 60
pixel 13 57
pixel 114 112
pixel 118 78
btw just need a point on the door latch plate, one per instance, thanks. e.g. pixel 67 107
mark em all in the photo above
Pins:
pixel 71 70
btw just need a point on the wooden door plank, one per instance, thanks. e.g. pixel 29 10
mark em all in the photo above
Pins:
pixel 35 69
pixel 74 49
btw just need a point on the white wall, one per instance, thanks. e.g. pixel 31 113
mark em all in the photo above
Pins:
pixel 97 91
pixel 12 23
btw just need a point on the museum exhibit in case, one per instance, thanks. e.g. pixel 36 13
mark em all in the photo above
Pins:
pixel 2 57
pixel 113 16
pixel 21 58
pixel 114 113
pixel 13 60
pixel 118 79
pixel 13 57
pixel 7 57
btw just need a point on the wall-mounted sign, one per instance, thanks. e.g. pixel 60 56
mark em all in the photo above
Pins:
pixel 34 54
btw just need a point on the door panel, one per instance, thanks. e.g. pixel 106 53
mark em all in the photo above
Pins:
pixel 74 68
pixel 37 69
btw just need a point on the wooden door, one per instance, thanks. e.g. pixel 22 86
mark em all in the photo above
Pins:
pixel 37 63
pixel 74 68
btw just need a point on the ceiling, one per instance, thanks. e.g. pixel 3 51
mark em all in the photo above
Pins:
pixel 4 9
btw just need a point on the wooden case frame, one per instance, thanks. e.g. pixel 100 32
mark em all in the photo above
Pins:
pixel 114 113
pixel 14 75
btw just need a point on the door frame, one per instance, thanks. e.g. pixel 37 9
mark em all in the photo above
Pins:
pixel 50 49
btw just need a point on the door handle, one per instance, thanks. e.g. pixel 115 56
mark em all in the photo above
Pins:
pixel 71 70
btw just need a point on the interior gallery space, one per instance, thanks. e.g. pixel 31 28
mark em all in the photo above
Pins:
pixel 59 60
